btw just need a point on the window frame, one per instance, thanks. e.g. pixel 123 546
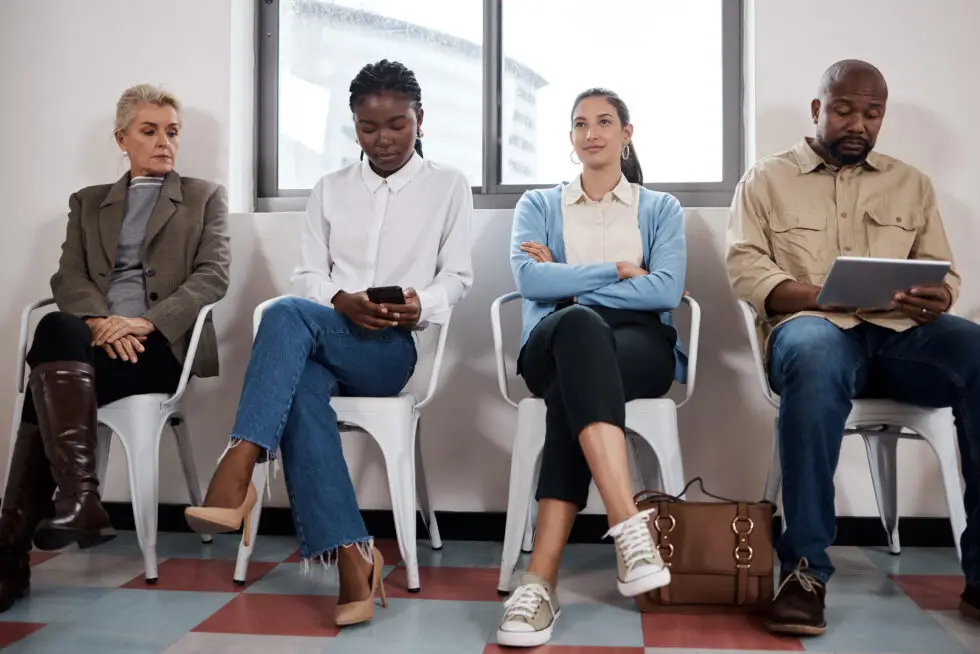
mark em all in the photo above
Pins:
pixel 492 193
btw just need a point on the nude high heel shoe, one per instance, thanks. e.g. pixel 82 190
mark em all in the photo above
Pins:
pixel 357 612
pixel 212 520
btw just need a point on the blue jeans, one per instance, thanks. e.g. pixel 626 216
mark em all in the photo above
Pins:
pixel 304 354
pixel 817 368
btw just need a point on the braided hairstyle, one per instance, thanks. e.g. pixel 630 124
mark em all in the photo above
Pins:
pixel 390 76
pixel 630 165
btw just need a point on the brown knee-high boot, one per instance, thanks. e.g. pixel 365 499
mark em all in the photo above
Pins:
pixel 26 500
pixel 64 396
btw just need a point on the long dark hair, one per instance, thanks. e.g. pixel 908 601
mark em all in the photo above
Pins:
pixel 631 164
pixel 391 76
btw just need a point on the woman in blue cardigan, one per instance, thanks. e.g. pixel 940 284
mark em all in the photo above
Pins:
pixel 600 262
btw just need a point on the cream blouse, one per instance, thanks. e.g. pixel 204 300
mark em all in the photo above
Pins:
pixel 607 231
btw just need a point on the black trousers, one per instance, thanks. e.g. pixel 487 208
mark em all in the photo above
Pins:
pixel 587 363
pixel 61 336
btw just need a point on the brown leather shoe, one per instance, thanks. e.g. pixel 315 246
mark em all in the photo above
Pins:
pixel 26 500
pixel 64 396
pixel 798 608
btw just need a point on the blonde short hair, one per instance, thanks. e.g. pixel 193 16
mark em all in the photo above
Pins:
pixel 141 94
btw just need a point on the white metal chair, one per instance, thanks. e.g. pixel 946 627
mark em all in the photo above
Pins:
pixel 138 421
pixel 393 422
pixel 652 421
pixel 881 423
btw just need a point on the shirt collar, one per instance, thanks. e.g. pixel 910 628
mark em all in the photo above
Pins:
pixel 395 181
pixel 574 193
pixel 809 161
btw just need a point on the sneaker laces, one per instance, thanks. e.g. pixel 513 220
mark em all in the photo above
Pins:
pixel 634 541
pixel 800 575
pixel 526 602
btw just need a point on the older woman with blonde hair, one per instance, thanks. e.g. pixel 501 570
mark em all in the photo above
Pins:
pixel 141 257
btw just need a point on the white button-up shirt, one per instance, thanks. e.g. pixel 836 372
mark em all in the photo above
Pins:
pixel 411 229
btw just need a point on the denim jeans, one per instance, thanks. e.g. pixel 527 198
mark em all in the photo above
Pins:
pixel 817 368
pixel 304 354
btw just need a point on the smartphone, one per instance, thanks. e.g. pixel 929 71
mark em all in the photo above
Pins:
pixel 386 295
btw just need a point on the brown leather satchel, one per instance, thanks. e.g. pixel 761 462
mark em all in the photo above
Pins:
pixel 719 553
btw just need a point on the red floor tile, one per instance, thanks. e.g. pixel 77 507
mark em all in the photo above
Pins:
pixel 727 632
pixel 205 575
pixel 932 592
pixel 388 548
pixel 274 615
pixel 563 649
pixel 464 584
pixel 11 632
pixel 38 557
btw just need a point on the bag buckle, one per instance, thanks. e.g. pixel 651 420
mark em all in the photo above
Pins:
pixel 670 518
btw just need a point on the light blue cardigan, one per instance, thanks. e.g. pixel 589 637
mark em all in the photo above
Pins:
pixel 538 218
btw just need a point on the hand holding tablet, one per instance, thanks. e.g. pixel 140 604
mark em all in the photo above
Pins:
pixel 878 284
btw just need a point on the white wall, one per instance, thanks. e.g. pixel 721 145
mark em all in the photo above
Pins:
pixel 63 63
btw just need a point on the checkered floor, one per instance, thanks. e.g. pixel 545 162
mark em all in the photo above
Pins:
pixel 97 602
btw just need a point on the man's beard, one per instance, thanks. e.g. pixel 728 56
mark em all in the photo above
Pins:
pixel 848 159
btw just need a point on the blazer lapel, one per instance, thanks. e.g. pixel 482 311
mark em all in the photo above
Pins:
pixel 165 207
pixel 111 213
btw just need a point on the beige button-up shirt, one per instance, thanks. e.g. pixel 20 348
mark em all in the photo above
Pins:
pixel 607 231
pixel 793 215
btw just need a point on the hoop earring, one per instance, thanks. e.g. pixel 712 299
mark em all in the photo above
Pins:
pixel 626 152
pixel 571 157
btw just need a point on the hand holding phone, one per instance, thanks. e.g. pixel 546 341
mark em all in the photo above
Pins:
pixel 408 313
pixel 386 295
pixel 360 310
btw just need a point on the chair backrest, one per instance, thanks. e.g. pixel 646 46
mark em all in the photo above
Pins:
pixel 750 319
pixel 693 344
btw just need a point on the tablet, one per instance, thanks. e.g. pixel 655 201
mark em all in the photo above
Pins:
pixel 867 283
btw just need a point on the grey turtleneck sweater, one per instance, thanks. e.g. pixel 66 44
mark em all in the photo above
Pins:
pixel 127 286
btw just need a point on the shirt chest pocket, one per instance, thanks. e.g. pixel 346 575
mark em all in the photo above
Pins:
pixel 798 242
pixel 890 235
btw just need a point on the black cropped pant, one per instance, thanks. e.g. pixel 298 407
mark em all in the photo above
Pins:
pixel 61 336
pixel 587 363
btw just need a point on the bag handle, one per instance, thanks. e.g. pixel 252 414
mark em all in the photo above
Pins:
pixel 660 496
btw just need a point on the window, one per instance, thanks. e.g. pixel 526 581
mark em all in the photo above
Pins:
pixel 498 93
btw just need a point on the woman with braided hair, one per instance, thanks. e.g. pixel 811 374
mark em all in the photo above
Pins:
pixel 394 219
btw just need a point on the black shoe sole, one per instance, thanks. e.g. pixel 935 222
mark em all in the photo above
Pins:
pixel 55 539
pixel 796 629
pixel 12 599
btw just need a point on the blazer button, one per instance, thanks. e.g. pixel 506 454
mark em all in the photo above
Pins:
pixel 150 272
pixel 154 297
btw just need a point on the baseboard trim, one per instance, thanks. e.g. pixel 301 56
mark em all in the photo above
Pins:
pixel 589 528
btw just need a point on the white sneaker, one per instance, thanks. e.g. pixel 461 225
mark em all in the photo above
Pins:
pixel 640 567
pixel 530 614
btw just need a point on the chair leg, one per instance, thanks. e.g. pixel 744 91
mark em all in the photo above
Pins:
pixel 425 505
pixel 399 462
pixel 141 440
pixel 186 453
pixel 882 458
pixel 530 523
pixel 260 478
pixel 775 476
pixel 104 436
pixel 943 442
pixel 520 497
